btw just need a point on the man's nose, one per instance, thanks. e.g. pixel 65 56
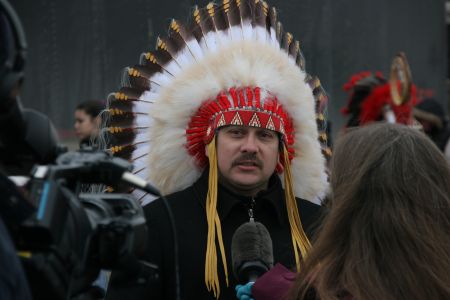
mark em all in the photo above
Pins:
pixel 250 143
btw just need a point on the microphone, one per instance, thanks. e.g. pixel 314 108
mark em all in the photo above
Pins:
pixel 100 167
pixel 251 251
pixel 140 183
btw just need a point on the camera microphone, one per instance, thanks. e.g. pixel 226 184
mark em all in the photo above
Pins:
pixel 140 183
pixel 251 251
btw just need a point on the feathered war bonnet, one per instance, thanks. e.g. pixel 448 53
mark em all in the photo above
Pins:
pixel 232 65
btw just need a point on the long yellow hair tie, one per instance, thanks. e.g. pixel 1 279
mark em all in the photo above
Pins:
pixel 211 274
pixel 300 241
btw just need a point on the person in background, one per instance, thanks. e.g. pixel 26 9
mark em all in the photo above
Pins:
pixel 374 98
pixel 387 234
pixel 430 114
pixel 88 122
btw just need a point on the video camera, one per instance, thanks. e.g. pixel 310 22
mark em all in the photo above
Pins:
pixel 72 235
pixel 64 236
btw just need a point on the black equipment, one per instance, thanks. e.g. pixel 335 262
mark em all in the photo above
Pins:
pixel 64 236
pixel 13 49
pixel 251 251
pixel 72 235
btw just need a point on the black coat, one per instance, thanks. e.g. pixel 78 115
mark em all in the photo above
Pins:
pixel 188 207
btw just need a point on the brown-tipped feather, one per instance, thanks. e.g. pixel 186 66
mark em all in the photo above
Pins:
pixel 247 7
pixel 196 28
pixel 160 57
pixel 300 59
pixel 221 19
pixel 207 21
pixel 126 106
pixel 232 12
pixel 177 29
pixel 173 43
pixel 294 47
pixel 133 78
pixel 286 41
pixel 122 136
pixel 123 151
pixel 125 120
pixel 127 93
pixel 185 35
pixel 272 20
pixel 261 13
pixel 203 24
pixel 165 50
pixel 279 31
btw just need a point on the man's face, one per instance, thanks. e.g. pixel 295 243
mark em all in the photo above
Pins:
pixel 246 157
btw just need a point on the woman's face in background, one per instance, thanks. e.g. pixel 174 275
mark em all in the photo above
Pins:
pixel 85 125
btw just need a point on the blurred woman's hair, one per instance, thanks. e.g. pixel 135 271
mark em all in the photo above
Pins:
pixel 387 234
pixel 91 107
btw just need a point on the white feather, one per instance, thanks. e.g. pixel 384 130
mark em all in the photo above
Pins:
pixel 211 41
pixel 247 30
pixel 142 120
pixel 173 68
pixel 195 49
pixel 141 137
pixel 184 57
pixel 140 150
pixel 141 106
pixel 149 96
pixel 261 34
pixel 223 37
pixel 236 33
pixel 273 38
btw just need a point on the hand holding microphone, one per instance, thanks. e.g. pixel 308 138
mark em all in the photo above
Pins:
pixel 244 292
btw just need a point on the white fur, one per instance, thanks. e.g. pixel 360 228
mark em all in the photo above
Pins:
pixel 241 63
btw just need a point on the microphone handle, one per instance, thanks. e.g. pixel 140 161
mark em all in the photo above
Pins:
pixel 253 276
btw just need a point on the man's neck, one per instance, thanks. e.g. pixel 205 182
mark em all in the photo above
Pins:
pixel 244 190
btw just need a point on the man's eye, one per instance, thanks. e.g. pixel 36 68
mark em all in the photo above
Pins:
pixel 236 132
pixel 267 135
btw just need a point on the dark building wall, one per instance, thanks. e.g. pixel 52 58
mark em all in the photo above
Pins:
pixel 77 49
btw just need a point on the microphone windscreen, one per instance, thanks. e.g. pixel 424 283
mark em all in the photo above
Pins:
pixel 251 250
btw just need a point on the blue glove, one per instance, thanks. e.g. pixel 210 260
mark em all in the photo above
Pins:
pixel 244 292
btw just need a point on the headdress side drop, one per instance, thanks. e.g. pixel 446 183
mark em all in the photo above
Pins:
pixel 232 65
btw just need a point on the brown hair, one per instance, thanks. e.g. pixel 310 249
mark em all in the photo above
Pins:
pixel 387 234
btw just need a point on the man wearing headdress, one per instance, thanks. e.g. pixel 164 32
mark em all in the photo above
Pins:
pixel 234 132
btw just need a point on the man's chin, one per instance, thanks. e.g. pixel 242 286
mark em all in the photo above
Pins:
pixel 246 183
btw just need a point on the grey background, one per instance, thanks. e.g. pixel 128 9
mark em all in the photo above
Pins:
pixel 77 49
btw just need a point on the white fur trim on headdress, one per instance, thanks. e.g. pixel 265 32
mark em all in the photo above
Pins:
pixel 239 64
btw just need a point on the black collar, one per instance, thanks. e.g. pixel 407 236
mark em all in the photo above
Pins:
pixel 227 199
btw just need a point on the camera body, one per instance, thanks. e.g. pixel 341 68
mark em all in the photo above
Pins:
pixel 73 235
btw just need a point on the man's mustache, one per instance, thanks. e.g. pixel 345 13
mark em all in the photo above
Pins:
pixel 246 158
